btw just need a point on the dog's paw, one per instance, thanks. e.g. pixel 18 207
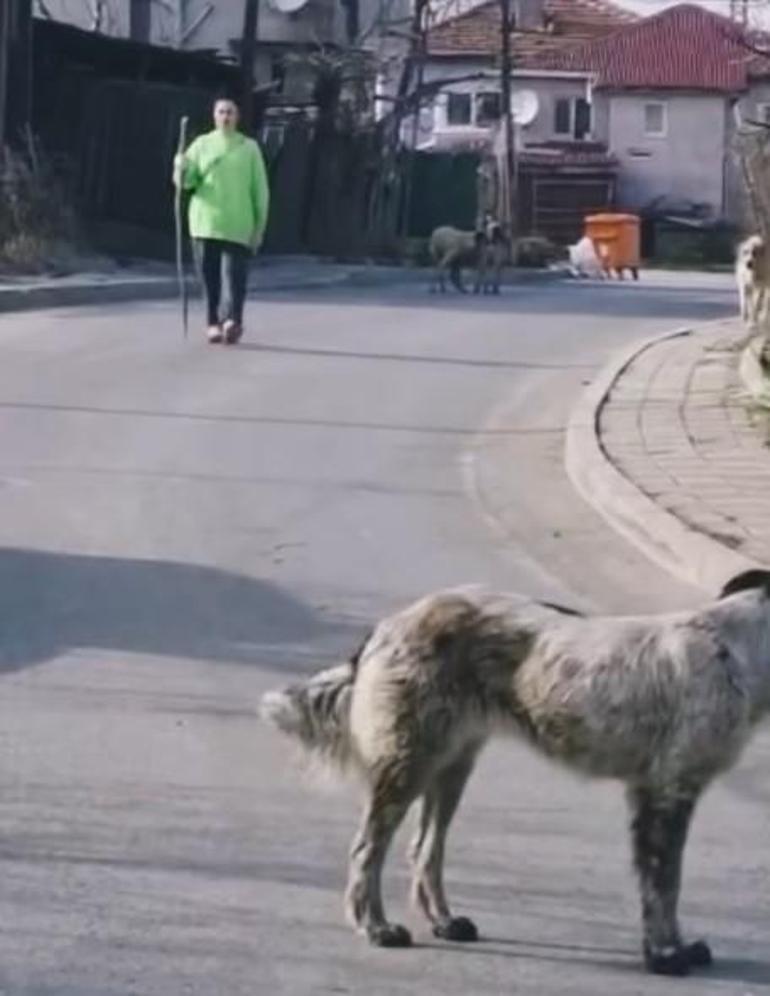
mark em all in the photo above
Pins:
pixel 457 928
pixel 389 935
pixel 699 954
pixel 667 961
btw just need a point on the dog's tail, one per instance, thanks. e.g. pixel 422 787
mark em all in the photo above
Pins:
pixel 317 712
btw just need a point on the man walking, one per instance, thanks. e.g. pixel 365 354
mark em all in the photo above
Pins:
pixel 225 173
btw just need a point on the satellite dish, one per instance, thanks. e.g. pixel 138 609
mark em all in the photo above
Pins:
pixel 525 105
pixel 287 6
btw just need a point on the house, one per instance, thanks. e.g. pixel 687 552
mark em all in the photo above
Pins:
pixel 667 93
pixel 662 95
pixel 466 49
pixel 563 172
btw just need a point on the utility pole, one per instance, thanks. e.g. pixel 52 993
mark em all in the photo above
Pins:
pixel 179 12
pixel 248 53
pixel 507 24
pixel 15 70
pixel 5 37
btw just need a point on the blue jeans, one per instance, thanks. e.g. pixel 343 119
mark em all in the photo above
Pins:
pixel 216 258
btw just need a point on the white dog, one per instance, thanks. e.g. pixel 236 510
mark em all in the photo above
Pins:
pixel 752 274
pixel 583 261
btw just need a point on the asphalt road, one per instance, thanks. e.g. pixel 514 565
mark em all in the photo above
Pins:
pixel 185 526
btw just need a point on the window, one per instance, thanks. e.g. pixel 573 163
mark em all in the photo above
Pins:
pixel 458 110
pixel 572 117
pixel 562 120
pixel 489 107
pixel 655 119
pixel 277 73
pixel 582 118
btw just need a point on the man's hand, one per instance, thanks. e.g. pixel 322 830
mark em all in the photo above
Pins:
pixel 178 175
pixel 256 241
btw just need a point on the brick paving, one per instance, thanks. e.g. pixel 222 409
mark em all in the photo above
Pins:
pixel 680 426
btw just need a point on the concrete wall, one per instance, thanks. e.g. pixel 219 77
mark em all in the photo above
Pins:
pixel 223 26
pixel 318 19
pixel 79 13
pixel 685 164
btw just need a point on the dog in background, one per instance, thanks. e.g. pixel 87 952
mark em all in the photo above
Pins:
pixel 663 703
pixel 492 252
pixel 485 249
pixel 752 274
pixel 450 249
pixel 583 260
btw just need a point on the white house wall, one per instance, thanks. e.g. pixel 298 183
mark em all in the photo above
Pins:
pixel 686 164
pixel 548 89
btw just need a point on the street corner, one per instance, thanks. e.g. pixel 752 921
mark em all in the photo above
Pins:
pixel 663 446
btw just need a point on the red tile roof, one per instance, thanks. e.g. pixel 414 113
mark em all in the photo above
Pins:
pixel 683 47
pixel 568 22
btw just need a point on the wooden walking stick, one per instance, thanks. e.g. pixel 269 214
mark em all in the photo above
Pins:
pixel 180 274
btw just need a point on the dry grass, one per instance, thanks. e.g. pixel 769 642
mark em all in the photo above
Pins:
pixel 35 216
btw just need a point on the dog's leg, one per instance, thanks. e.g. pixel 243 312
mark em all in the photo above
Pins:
pixel 392 793
pixel 755 306
pixel 762 308
pixel 456 276
pixel 481 272
pixel 659 825
pixel 438 806
pixel 441 277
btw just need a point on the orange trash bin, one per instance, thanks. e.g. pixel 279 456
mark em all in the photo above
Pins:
pixel 616 238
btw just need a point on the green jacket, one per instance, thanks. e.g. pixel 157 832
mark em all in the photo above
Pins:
pixel 230 194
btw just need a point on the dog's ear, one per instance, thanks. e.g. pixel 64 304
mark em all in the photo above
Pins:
pixel 746 581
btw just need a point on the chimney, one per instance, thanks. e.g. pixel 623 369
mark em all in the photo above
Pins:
pixel 529 15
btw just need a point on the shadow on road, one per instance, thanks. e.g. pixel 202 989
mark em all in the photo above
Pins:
pixel 741 970
pixel 409 358
pixel 54 602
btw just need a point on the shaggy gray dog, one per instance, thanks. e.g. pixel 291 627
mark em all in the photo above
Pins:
pixel 663 703
pixel 450 248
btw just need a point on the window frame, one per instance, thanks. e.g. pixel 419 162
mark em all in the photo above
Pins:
pixel 663 132
pixel 458 95
pixel 571 132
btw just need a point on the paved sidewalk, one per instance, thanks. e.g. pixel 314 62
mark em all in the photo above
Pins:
pixel 669 447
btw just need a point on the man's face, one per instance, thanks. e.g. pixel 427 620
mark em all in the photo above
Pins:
pixel 225 115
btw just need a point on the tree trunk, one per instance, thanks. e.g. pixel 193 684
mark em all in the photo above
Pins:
pixel 248 54
pixel 510 178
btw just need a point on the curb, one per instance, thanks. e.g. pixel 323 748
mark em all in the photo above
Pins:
pixel 53 295
pixel 752 375
pixel 32 297
pixel 690 555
